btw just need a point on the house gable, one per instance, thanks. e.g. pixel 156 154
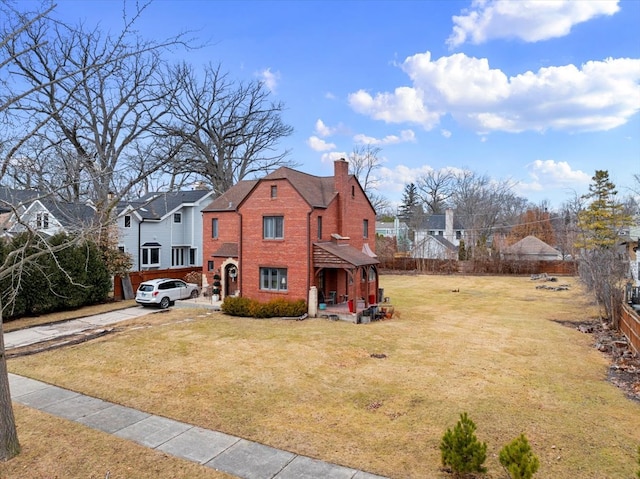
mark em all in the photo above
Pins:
pixel 167 226
pixel 274 226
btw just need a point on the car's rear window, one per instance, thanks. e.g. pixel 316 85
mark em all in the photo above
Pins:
pixel 145 287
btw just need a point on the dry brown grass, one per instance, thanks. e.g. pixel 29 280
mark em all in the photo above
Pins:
pixel 53 448
pixel 492 350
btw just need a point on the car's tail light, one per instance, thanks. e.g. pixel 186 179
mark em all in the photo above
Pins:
pixel 155 293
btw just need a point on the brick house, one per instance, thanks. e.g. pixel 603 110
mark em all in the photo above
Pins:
pixel 294 235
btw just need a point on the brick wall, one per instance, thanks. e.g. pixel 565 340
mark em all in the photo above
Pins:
pixel 292 252
pixel 228 232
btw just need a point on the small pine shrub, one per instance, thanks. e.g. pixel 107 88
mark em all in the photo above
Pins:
pixel 461 449
pixel 518 459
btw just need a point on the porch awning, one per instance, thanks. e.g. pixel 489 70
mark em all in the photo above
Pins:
pixel 332 255
pixel 226 250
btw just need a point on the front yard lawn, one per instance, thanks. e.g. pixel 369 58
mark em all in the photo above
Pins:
pixel 375 396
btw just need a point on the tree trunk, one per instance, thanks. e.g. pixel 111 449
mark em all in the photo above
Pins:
pixel 9 445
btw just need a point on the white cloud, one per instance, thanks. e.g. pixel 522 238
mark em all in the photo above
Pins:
pixel 403 105
pixel 333 156
pixel 550 174
pixel 323 130
pixel 391 181
pixel 270 79
pixel 406 136
pixel 445 133
pixel 600 95
pixel 318 144
pixel 527 20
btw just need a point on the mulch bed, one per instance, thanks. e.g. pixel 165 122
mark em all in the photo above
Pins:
pixel 624 370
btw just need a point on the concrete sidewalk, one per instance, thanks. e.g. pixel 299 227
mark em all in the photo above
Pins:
pixel 230 454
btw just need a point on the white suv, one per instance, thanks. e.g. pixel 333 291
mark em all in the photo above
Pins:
pixel 164 292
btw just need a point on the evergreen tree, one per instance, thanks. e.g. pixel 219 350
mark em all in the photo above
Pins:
pixel 600 267
pixel 461 449
pixel 602 221
pixel 410 211
pixel 518 459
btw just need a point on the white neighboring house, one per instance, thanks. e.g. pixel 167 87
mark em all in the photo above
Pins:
pixel 163 230
pixel 50 217
pixel 438 237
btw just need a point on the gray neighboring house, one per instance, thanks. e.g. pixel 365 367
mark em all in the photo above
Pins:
pixel 438 237
pixel 163 230
pixel 532 249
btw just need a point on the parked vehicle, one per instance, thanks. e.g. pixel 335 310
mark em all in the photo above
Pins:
pixel 164 292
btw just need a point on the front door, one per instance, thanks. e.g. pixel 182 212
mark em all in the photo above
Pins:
pixel 231 280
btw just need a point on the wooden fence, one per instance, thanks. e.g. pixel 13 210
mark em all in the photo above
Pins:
pixel 630 327
pixel 498 267
pixel 137 277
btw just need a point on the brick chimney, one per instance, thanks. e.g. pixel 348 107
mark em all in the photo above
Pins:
pixel 341 185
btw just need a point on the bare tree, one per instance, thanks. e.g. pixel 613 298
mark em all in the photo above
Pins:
pixel 96 100
pixel 73 104
pixel 364 160
pixel 484 207
pixel 435 188
pixel 228 130
pixel 14 25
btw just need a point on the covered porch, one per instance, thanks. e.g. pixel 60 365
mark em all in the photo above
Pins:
pixel 346 280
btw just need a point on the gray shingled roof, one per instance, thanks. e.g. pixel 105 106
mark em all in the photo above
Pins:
pixel 155 206
pixel 437 223
pixel 12 197
pixel 70 215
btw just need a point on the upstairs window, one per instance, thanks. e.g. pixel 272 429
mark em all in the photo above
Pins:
pixel 319 227
pixel 42 220
pixel 274 191
pixel 177 217
pixel 365 228
pixel 214 228
pixel 273 227
pixel 127 221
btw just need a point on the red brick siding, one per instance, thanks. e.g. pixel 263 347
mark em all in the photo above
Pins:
pixel 291 253
pixel 228 232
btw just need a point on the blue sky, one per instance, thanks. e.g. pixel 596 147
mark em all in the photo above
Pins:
pixel 542 93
